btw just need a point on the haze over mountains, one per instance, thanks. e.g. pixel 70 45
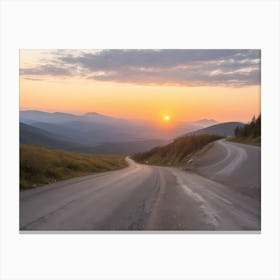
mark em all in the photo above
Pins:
pixel 97 133
pixel 36 136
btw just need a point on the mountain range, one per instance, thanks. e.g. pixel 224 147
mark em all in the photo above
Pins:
pixel 96 133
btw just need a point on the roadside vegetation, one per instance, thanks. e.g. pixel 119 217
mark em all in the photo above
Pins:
pixel 40 165
pixel 248 134
pixel 247 141
pixel 177 152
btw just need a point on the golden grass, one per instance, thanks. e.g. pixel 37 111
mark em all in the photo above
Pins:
pixel 40 165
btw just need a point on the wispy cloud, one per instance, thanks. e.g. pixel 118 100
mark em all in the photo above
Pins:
pixel 47 69
pixel 234 68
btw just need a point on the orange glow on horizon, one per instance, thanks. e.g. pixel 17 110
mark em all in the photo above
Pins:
pixel 142 102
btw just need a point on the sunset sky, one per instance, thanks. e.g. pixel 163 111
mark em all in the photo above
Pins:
pixel 149 84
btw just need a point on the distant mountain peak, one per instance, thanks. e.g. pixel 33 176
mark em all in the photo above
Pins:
pixel 33 111
pixel 206 120
pixel 92 114
pixel 62 114
pixel 212 120
pixel 98 116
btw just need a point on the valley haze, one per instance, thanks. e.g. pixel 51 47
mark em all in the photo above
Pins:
pixel 94 132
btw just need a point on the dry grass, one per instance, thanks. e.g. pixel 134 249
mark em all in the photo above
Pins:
pixel 39 165
pixel 177 152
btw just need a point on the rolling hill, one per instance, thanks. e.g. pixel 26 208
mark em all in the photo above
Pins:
pixel 31 116
pixel 40 137
pixel 92 134
pixel 36 136
pixel 177 152
pixel 224 129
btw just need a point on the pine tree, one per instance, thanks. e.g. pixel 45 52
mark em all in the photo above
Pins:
pixel 252 129
pixel 236 131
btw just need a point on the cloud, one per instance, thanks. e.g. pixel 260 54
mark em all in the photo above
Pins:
pixel 118 59
pixel 234 68
pixel 47 69
pixel 34 79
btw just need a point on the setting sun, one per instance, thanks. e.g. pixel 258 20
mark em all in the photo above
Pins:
pixel 167 118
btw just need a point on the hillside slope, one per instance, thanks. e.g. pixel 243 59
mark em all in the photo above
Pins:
pixel 224 129
pixel 36 136
pixel 39 165
pixel 175 153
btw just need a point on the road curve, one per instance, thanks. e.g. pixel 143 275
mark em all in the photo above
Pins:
pixel 143 197
pixel 233 164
